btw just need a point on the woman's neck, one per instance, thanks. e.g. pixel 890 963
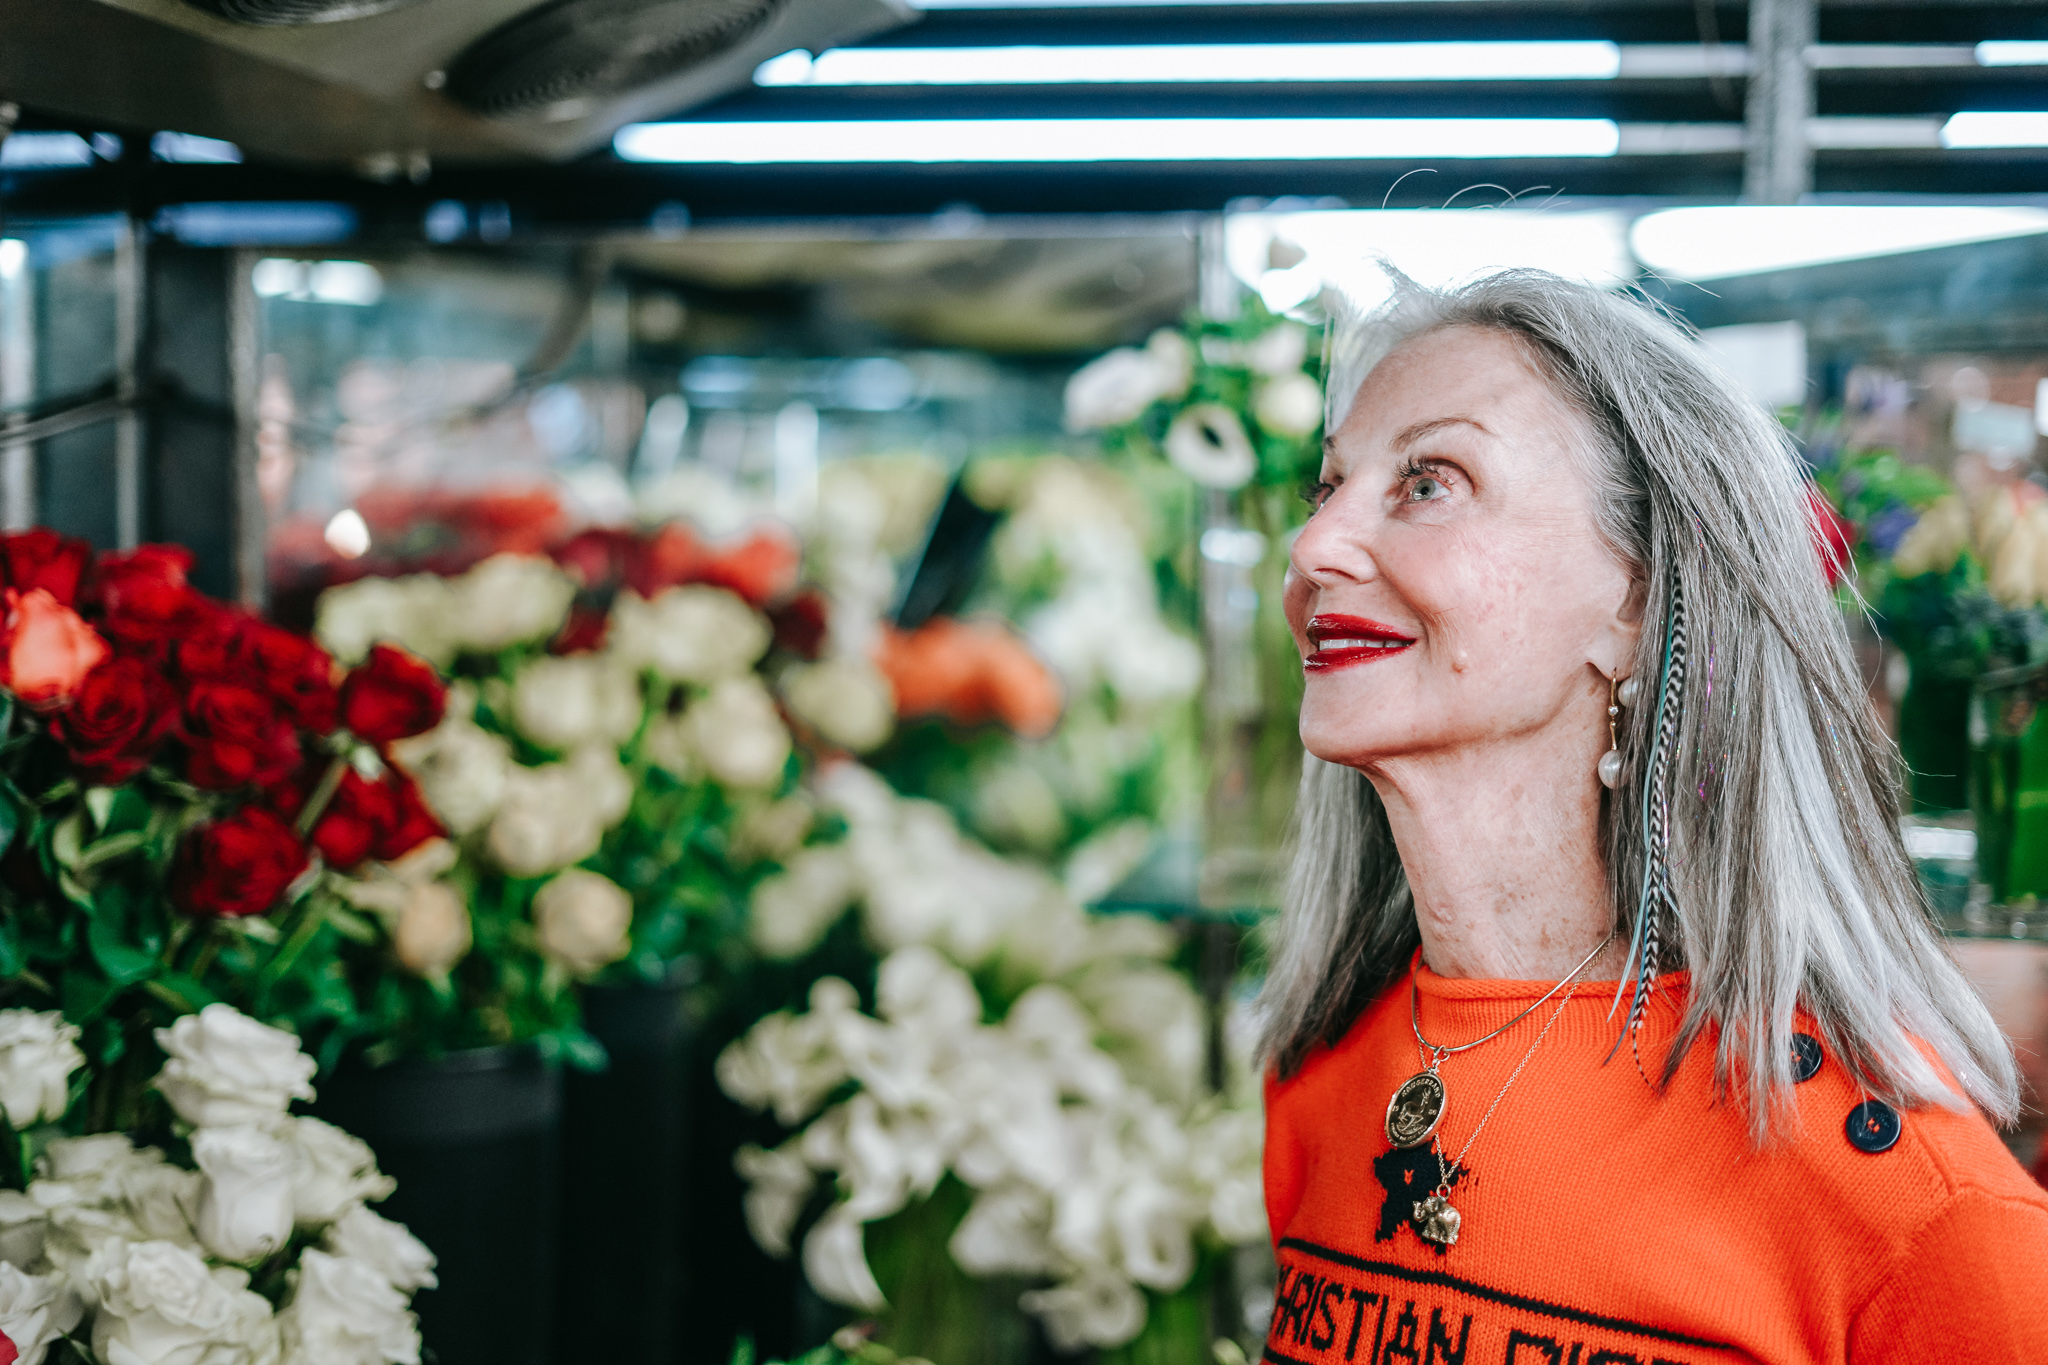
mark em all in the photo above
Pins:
pixel 1503 854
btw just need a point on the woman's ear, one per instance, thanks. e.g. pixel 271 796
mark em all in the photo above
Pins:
pixel 1613 647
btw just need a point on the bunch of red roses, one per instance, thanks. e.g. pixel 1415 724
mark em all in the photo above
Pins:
pixel 129 666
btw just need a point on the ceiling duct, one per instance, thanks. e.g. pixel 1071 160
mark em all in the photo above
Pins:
pixel 562 58
pixel 296 11
pixel 381 83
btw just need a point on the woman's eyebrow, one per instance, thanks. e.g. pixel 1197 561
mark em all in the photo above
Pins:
pixel 1409 435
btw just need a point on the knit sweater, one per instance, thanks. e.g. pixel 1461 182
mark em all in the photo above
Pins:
pixel 1606 1222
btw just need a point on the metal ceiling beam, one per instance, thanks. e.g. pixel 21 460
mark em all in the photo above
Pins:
pixel 1777 158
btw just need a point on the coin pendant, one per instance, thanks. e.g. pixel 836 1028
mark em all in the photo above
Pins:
pixel 1437 1221
pixel 1415 1110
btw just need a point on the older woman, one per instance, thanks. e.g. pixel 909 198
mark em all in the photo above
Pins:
pixel 1605 1018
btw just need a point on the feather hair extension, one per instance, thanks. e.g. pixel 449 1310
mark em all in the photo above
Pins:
pixel 1658 898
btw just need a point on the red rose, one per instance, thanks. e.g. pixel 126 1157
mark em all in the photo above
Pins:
pixel 237 866
pixel 43 559
pixel 298 674
pixel 143 600
pixel 1834 537
pixel 670 556
pixel 355 818
pixel 9 1352
pixel 582 632
pixel 235 735
pixel 122 712
pixel 762 568
pixel 391 695
pixel 595 558
pixel 800 624
pixel 412 823
pixel 45 648
pixel 207 646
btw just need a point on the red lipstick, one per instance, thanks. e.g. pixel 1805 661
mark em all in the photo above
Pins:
pixel 1341 641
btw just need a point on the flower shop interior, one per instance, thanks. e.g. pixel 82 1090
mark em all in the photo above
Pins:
pixel 643 715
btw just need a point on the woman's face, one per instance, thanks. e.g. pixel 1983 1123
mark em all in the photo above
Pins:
pixel 1452 589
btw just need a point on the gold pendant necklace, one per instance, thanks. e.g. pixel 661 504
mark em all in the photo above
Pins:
pixel 1417 1107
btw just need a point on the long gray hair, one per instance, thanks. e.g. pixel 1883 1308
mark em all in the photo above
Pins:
pixel 1793 889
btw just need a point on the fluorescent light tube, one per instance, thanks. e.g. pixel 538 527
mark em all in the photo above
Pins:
pixel 2014 129
pixel 2012 53
pixel 1710 243
pixel 1002 141
pixel 1193 62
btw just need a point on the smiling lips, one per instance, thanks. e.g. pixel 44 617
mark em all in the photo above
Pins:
pixel 1341 641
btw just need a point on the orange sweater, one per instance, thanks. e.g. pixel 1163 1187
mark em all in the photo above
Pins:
pixel 1604 1223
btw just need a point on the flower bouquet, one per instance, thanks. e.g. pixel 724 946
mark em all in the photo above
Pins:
pixel 244 1239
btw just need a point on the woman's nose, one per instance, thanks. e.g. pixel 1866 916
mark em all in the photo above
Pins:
pixel 1334 547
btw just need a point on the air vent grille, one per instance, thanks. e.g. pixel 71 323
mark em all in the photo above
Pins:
pixel 555 61
pixel 276 13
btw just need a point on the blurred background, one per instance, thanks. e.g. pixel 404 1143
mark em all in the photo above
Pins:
pixel 971 352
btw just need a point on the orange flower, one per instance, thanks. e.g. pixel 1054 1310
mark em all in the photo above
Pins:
pixel 45 649
pixel 970 673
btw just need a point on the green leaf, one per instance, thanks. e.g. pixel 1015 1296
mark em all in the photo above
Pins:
pixel 86 996
pixel 181 993
pixel 13 957
pixel 111 847
pixel 123 963
pixel 10 821
pixel 67 840
pixel 99 803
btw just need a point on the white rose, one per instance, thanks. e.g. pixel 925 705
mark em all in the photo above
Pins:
pixel 245 1206
pixel 157 1304
pixel 1118 386
pixel 343 1312
pixel 836 1263
pixel 23 1228
pixel 668 743
pixel 602 782
pixel 38 1053
pixel 1004 1233
pixel 332 1172
pixel 35 1310
pixel 1280 349
pixel 583 920
pixel 227 1069
pixel 432 931
pixel 506 600
pixel 1098 1308
pixel 790 910
pixel 691 634
pixel 386 1247
pixel 559 703
pixel 161 1199
pixel 779 1184
pixel 737 732
pixel 546 822
pixel 772 829
pixel 847 699
pixel 411 612
pixel 462 769
pixel 1207 443
pixel 1290 404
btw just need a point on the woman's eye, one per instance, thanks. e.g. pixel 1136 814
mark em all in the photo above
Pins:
pixel 1316 494
pixel 1425 488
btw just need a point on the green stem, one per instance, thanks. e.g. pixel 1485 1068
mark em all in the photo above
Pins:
pixel 295 943
pixel 316 804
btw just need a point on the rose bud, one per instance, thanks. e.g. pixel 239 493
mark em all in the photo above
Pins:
pixel 236 736
pixel 45 649
pixel 390 696
pixel 142 596
pixel 236 866
pixel 41 558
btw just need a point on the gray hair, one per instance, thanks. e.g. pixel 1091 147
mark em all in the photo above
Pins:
pixel 1794 891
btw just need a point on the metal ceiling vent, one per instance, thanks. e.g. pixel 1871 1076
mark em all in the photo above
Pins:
pixel 558 60
pixel 276 13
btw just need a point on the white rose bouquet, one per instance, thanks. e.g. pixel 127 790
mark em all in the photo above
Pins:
pixel 257 1248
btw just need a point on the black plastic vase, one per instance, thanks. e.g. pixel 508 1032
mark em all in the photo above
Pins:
pixel 473 1141
pixel 623 1138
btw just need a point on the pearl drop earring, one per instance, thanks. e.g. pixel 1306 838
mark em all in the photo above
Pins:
pixel 1620 693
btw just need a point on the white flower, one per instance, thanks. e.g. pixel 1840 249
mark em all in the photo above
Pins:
pixel 432 930
pixel 556 814
pixel 667 742
pixel 1096 1309
pixel 23 1228
pixel 693 633
pixel 602 782
pixel 773 829
pixel 1278 350
pixel 34 1311
pixel 226 1069
pixel 836 1263
pixel 779 1184
pixel 38 1053
pixel 1154 1024
pixel 583 920
pixel 157 1304
pixel 506 600
pixel 1290 404
pixel 847 699
pixel 790 910
pixel 1207 443
pixel 1004 1233
pixel 789 1062
pixel 1155 1228
pixel 1118 386
pixel 411 612
pixel 344 1312
pixel 386 1247
pixel 245 1206
pixel 332 1172
pixel 559 703
pixel 462 769
pixel 738 734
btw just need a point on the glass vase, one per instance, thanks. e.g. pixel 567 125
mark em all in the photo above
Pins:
pixel 1934 739
pixel 2008 768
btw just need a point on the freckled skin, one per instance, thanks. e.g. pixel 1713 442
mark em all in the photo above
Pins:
pixel 1458 514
